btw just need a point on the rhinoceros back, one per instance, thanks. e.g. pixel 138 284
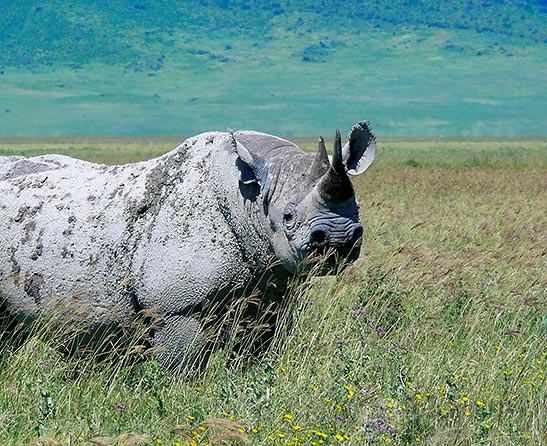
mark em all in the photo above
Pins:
pixel 60 222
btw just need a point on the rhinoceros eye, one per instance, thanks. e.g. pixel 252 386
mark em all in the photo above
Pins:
pixel 289 217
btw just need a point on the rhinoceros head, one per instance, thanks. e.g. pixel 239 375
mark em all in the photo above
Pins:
pixel 309 199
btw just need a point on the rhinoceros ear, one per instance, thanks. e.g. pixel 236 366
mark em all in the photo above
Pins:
pixel 359 152
pixel 253 168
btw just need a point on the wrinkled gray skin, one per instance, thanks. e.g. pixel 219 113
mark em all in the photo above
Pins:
pixel 172 233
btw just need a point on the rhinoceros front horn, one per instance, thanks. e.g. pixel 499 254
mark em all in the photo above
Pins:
pixel 335 184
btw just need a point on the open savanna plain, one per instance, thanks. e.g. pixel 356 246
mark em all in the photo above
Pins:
pixel 437 335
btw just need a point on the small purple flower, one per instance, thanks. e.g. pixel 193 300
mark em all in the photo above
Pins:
pixel 535 229
pixel 396 346
pixel 121 408
pixel 341 418
pixel 381 330
pixel 310 302
pixel 377 424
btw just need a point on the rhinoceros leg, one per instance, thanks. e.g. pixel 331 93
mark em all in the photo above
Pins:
pixel 181 343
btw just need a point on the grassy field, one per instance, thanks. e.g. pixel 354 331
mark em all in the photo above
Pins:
pixel 437 335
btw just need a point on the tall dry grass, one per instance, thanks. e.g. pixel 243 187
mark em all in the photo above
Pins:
pixel 436 335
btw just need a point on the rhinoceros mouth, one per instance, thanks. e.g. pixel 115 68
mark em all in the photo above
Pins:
pixel 341 245
pixel 327 260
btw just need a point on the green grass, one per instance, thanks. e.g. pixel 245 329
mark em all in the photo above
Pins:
pixel 437 335
pixel 401 94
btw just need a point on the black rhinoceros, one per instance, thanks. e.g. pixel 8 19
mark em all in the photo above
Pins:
pixel 222 212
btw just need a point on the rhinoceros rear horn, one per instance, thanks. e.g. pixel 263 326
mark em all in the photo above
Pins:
pixel 321 163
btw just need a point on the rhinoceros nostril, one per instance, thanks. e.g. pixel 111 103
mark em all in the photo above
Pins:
pixel 318 238
pixel 357 234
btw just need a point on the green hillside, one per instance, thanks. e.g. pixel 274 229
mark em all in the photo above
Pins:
pixel 158 68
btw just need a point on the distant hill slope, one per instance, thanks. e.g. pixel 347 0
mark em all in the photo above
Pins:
pixel 34 33
pixel 162 68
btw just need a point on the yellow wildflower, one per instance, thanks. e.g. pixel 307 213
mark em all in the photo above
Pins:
pixel 350 392
pixel 319 433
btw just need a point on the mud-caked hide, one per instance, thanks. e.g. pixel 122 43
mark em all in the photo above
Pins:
pixel 221 214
